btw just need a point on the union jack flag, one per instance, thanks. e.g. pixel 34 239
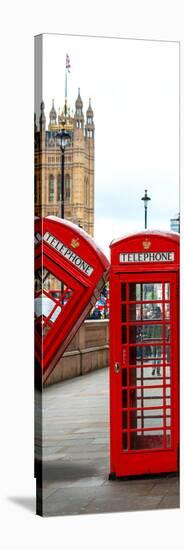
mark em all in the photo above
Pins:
pixel 68 66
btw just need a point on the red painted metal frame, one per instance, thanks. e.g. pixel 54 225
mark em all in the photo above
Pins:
pixel 86 289
pixel 154 460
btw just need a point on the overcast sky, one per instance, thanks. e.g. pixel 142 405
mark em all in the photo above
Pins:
pixel 134 90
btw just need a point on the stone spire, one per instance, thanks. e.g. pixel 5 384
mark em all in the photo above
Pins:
pixel 89 126
pixel 79 117
pixel 53 114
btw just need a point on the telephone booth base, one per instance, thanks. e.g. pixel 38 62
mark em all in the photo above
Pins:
pixel 145 465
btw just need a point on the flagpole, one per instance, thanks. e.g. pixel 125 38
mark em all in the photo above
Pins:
pixel 67 70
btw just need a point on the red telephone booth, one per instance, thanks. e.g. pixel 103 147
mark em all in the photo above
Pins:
pixel 144 354
pixel 70 271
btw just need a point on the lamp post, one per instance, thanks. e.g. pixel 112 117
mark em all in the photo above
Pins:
pixel 145 199
pixel 65 139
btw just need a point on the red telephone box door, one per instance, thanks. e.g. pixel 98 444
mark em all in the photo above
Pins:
pixel 144 379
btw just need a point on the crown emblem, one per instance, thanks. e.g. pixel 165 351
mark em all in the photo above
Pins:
pixel 146 244
pixel 75 243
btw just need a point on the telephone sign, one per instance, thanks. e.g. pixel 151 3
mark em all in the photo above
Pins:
pixel 144 354
pixel 70 271
pixel 146 257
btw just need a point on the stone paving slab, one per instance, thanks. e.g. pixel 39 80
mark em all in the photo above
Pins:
pixel 132 504
pixel 169 501
pixel 76 456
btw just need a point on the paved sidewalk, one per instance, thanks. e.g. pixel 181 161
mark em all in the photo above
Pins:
pixel 76 455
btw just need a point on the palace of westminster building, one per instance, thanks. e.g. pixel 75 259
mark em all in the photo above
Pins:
pixel 78 165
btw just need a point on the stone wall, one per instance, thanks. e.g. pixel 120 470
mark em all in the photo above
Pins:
pixel 88 351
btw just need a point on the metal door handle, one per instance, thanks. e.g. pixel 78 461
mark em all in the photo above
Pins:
pixel 116 368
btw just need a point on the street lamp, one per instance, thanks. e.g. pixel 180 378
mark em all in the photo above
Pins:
pixel 145 199
pixel 65 139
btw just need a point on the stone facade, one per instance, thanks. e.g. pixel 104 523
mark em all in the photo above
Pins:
pixel 78 167
pixel 88 351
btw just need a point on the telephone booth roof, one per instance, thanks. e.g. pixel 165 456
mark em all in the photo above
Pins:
pixel 70 271
pixel 72 227
pixel 157 234
pixel 144 248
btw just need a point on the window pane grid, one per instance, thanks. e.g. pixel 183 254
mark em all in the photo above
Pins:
pixel 147 363
pixel 133 302
pixel 150 429
pixel 51 296
pixel 146 345
pixel 157 408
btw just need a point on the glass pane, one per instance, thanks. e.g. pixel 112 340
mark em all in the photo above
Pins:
pixel 41 279
pixel 141 333
pixel 145 376
pixel 146 312
pixel 44 280
pixel 167 291
pixel 150 393
pixel 153 422
pixel 123 313
pixel 167 333
pixel 44 330
pixel 43 307
pixel 149 402
pixel 152 355
pixel 147 419
pixel 152 291
pixel 124 399
pixel 125 441
pixel 168 421
pixel 123 292
pixel 124 419
pixel 51 295
pixel 167 375
pixel 147 440
pixel 168 438
pixel 167 312
pixel 152 311
pixel 145 291
pixel 135 291
pixel 134 312
pixel 168 402
pixel 147 397
pixel 124 377
pixel 124 335
pixel 153 412
pixel 167 354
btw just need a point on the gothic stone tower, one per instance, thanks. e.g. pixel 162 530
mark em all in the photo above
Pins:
pixel 79 166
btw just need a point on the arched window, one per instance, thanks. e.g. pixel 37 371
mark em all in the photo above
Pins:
pixel 51 188
pixel 59 187
pixel 67 187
